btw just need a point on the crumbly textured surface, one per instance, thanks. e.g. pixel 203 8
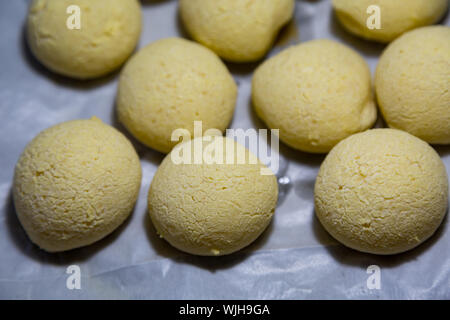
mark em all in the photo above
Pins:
pixel 382 191
pixel 212 209
pixel 237 30
pixel 170 84
pixel 317 93
pixel 397 16
pixel 75 183
pixel 110 30
pixel 412 83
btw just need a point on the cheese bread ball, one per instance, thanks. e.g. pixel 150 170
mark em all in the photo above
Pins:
pixel 382 191
pixel 75 183
pixel 212 209
pixel 317 93
pixel 170 84
pixel 413 81
pixel 237 30
pixel 109 31
pixel 396 16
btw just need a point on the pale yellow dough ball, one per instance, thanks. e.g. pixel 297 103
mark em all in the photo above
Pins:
pixel 170 84
pixel 237 30
pixel 396 16
pixel 109 31
pixel 212 209
pixel 317 93
pixel 382 191
pixel 412 83
pixel 75 183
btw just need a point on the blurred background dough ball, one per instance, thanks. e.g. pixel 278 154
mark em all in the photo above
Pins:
pixel 412 83
pixel 396 16
pixel 109 31
pixel 212 209
pixel 75 183
pixel 237 30
pixel 382 191
pixel 170 84
pixel 317 93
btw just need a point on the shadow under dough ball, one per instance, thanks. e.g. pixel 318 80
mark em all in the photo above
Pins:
pixel 382 191
pixel 75 183
pixel 212 209
pixel 109 31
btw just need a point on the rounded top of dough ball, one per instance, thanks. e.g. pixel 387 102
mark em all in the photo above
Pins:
pixel 412 83
pixel 239 31
pixel 108 33
pixel 395 16
pixel 209 208
pixel 170 84
pixel 382 191
pixel 75 183
pixel 317 93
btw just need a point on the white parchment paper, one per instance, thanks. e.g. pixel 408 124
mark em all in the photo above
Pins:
pixel 294 259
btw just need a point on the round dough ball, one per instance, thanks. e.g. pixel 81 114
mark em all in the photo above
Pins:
pixel 317 93
pixel 212 209
pixel 109 31
pixel 75 183
pixel 396 16
pixel 239 31
pixel 170 84
pixel 382 191
pixel 412 83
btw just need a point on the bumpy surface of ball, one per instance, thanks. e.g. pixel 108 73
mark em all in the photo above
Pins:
pixel 382 191
pixel 317 93
pixel 412 83
pixel 239 31
pixel 212 209
pixel 170 84
pixel 108 33
pixel 396 16
pixel 75 183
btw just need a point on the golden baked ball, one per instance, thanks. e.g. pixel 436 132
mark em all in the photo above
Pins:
pixel 317 93
pixel 382 191
pixel 170 84
pixel 412 84
pixel 75 183
pixel 396 16
pixel 212 208
pixel 237 30
pixel 108 33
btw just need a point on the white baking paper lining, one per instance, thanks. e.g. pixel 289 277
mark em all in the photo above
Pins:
pixel 294 259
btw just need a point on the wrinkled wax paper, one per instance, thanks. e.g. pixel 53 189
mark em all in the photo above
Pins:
pixel 294 259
